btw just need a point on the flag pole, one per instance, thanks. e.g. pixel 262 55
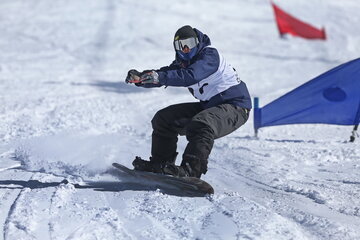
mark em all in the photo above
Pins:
pixel 354 131
pixel 281 35
pixel 257 116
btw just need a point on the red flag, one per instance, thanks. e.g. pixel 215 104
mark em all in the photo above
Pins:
pixel 289 24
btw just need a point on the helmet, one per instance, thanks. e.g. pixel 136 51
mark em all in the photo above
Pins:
pixel 186 42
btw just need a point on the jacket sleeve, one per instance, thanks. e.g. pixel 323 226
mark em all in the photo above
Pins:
pixel 206 63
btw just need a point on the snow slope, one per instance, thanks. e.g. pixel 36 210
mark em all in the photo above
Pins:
pixel 67 114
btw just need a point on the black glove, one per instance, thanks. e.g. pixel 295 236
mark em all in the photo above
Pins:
pixel 149 76
pixel 145 77
pixel 133 76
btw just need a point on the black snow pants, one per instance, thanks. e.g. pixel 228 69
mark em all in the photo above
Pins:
pixel 201 127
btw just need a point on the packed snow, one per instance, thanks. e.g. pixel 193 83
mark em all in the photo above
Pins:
pixel 66 115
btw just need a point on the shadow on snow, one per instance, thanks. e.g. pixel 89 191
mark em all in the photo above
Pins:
pixel 102 186
pixel 108 86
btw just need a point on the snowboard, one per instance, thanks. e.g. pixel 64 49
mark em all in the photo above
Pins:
pixel 185 186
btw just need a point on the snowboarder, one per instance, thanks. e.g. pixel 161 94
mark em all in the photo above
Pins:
pixel 224 105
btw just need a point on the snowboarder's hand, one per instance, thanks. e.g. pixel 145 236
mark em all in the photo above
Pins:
pixel 149 76
pixel 133 76
pixel 145 77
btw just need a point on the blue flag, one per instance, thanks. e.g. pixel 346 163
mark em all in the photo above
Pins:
pixel 331 98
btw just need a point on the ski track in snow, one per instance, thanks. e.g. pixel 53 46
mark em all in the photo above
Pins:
pixel 324 202
pixel 66 114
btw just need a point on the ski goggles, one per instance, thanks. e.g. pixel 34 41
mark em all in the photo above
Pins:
pixel 181 44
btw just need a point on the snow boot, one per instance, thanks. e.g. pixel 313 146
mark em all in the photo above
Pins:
pixel 147 166
pixel 190 167
pixel 176 171
pixel 153 165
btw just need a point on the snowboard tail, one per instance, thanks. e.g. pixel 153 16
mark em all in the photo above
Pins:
pixel 188 185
